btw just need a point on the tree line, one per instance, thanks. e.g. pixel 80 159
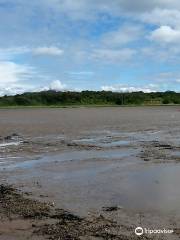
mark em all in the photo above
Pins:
pixel 54 98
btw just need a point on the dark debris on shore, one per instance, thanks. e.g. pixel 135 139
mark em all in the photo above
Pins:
pixel 65 225
pixel 13 202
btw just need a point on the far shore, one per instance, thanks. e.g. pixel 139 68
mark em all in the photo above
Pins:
pixel 89 106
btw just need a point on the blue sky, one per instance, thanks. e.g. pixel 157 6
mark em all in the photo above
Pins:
pixel 118 45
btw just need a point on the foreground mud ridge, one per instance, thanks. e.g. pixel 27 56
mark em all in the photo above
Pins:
pixel 52 223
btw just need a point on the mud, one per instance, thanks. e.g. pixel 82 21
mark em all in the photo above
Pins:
pixel 43 220
pixel 108 170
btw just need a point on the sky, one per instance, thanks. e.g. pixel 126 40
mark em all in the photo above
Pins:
pixel 117 45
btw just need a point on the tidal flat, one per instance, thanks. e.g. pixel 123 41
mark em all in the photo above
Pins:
pixel 89 173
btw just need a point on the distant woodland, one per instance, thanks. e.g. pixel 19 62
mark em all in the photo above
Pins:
pixel 53 98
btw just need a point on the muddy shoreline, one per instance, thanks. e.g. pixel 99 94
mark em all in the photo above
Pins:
pixel 40 219
pixel 110 169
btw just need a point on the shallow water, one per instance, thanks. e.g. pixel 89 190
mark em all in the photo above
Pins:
pixel 6 144
pixel 68 156
pixel 85 180
pixel 176 154
pixel 107 141
pixel 154 187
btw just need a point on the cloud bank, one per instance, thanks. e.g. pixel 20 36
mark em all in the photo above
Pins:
pixel 124 43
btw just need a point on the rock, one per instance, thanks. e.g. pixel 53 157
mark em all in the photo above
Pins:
pixel 146 160
pixel 8 138
pixel 15 135
pixel 112 208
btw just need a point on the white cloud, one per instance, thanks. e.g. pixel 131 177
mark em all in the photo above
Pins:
pixel 57 86
pixel 51 51
pixel 124 35
pixel 9 53
pixel 164 53
pixel 146 6
pixel 169 78
pixel 91 43
pixel 14 89
pixel 113 55
pixel 82 73
pixel 13 77
pixel 88 9
pixel 166 34
pixel 11 72
pixel 170 17
pixel 129 88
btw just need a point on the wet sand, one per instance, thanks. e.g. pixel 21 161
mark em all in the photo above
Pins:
pixel 86 159
pixel 36 122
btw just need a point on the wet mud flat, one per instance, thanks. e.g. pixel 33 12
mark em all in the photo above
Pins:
pixel 110 169
pixel 38 220
pixel 25 218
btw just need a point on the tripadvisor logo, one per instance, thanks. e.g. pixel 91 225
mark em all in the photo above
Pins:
pixel 140 231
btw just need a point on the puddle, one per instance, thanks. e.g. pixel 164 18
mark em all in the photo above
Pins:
pixel 73 156
pixel 175 154
pixel 3 145
pixel 118 139
pixel 135 187
pixel 92 179
pixel 105 142
pixel 117 143
pixel 89 179
pixel 86 185
pixel 154 187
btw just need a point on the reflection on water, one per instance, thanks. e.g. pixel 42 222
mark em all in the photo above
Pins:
pixel 6 144
pixel 87 182
pixel 69 156
pixel 89 179
pixel 154 187
pixel 105 142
